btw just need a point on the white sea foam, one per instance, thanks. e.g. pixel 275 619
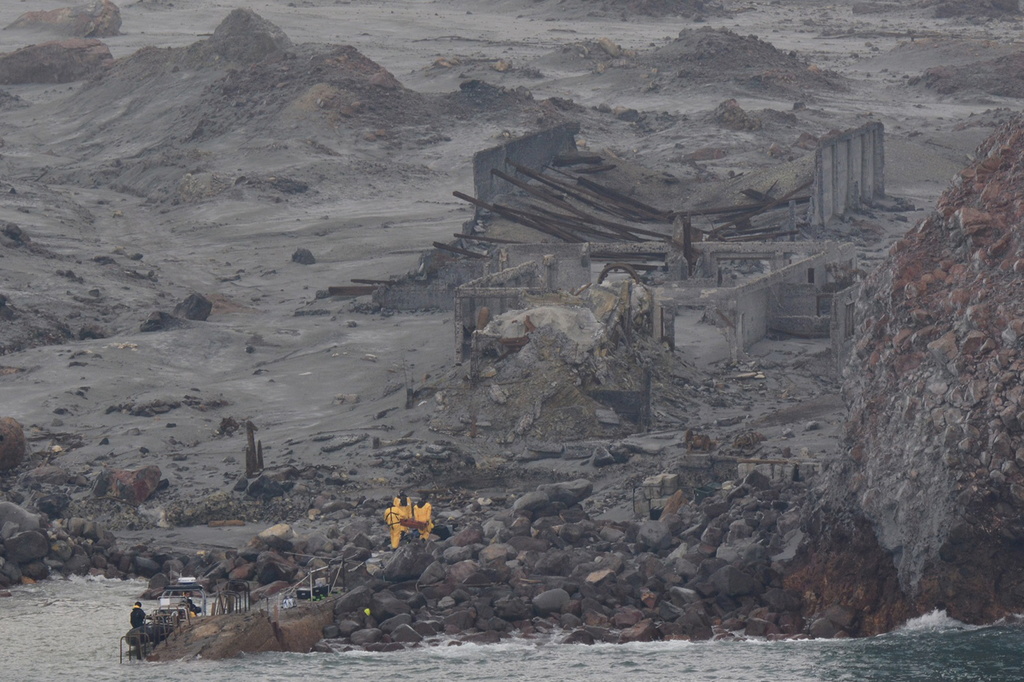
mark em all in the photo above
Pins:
pixel 933 621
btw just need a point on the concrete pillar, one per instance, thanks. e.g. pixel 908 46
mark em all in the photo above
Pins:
pixel 827 184
pixel 868 168
pixel 459 305
pixel 841 189
pixel 857 193
pixel 878 173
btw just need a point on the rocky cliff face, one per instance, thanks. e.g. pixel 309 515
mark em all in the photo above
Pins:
pixel 937 406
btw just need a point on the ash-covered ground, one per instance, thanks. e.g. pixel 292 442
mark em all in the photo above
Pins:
pixel 199 162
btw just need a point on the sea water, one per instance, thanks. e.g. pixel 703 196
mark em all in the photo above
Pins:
pixel 70 630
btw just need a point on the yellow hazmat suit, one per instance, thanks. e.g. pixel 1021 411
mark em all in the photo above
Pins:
pixel 422 513
pixel 394 515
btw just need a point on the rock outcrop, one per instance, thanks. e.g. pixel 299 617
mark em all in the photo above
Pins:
pixel 932 472
pixel 99 19
pixel 228 636
pixel 246 37
pixel 61 61
pixel 131 486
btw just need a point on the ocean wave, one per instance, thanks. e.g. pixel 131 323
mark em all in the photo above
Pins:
pixel 936 620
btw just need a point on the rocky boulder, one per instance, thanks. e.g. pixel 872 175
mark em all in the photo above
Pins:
pixel 55 62
pixel 278 537
pixel 49 474
pixel 385 605
pixel 132 486
pixel 99 19
pixel 567 492
pixel 653 536
pixel 550 601
pixel 194 307
pixel 644 631
pixel 246 37
pixel 265 488
pixel 731 116
pixel 26 546
pixel 408 562
pixel 733 582
pixel 531 502
pixel 12 443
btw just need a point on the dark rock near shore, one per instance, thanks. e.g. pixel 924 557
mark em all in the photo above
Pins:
pixel 408 563
pixel 26 546
pixel 551 601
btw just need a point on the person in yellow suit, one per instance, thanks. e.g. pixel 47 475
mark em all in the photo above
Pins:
pixel 400 510
pixel 422 513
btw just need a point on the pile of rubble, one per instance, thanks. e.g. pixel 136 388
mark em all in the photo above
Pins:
pixel 1001 77
pixel 539 366
pixel 945 9
pixel 702 56
pixel 701 572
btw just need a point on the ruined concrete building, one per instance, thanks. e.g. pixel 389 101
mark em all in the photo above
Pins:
pixel 604 270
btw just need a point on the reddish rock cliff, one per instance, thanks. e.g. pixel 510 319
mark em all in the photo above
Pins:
pixel 930 484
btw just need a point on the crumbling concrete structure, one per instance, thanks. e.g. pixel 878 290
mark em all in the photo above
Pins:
pixel 535 151
pixel 753 288
pixel 848 172
pixel 518 272
pixel 793 295
pixel 427 288
pixel 843 327
pixel 477 302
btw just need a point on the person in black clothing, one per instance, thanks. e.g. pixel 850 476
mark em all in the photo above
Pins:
pixel 138 617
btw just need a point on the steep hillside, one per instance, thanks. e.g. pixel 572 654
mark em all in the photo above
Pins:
pixel 936 412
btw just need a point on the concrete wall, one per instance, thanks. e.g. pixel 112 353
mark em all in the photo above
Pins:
pixel 664 322
pixel 499 292
pixel 783 300
pixel 843 327
pixel 778 254
pixel 797 299
pixel 848 171
pixel 535 151
pixel 792 470
pixel 434 293
pixel 561 267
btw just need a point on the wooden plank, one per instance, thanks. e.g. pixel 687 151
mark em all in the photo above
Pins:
pixel 355 290
pixel 619 197
pixel 617 227
pixel 580 194
pixel 511 215
pixel 456 250
pixel 486 240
